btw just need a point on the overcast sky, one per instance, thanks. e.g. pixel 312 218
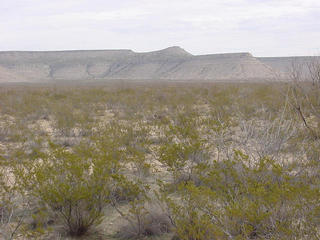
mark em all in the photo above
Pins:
pixel 262 27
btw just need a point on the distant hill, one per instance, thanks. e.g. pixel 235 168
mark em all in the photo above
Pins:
pixel 284 65
pixel 172 63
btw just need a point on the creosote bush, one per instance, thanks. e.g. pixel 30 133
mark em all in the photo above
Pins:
pixel 72 185
pixel 240 199
pixel 144 222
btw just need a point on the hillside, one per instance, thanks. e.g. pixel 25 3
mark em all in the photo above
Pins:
pixel 285 64
pixel 172 63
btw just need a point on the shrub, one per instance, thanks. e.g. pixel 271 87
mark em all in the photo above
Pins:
pixel 185 152
pixel 304 95
pixel 239 199
pixel 71 184
pixel 144 222
pixel 11 214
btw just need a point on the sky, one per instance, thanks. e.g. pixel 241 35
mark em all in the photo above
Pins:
pixel 261 27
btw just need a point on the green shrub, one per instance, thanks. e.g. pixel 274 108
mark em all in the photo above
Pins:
pixel 11 213
pixel 185 151
pixel 71 184
pixel 239 199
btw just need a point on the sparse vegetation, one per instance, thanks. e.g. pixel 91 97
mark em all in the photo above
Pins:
pixel 172 161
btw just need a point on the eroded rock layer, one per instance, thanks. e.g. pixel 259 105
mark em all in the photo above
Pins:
pixel 172 63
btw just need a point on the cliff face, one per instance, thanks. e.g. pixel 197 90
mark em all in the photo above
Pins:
pixel 172 63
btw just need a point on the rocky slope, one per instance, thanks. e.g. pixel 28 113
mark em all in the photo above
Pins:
pixel 285 65
pixel 172 63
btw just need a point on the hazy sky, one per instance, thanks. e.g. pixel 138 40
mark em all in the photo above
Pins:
pixel 262 27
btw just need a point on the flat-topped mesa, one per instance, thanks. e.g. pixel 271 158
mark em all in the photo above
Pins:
pixel 225 66
pixel 286 64
pixel 59 52
pixel 54 56
pixel 173 63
